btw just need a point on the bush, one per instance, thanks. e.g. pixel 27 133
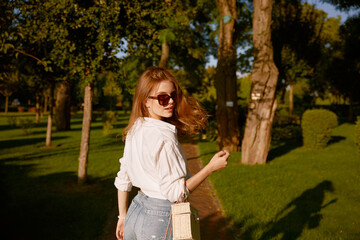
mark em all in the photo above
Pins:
pixel 109 119
pixel 25 124
pixel 211 132
pixel 357 133
pixel 316 127
pixel 286 131
pixel 12 121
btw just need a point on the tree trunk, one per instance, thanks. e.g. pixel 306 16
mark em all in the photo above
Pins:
pixel 45 102
pixel 257 135
pixel 291 102
pixel 50 116
pixel 165 50
pixel 6 104
pixel 227 112
pixel 63 99
pixel 85 135
pixel 37 108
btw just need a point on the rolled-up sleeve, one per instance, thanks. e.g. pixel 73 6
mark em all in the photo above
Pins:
pixel 122 180
pixel 172 171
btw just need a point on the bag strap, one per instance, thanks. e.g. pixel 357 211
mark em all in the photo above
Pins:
pixel 184 199
pixel 166 233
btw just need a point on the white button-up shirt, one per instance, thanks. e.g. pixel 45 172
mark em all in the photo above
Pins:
pixel 153 161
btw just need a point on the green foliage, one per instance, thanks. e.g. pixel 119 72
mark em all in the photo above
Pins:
pixel 357 133
pixel 211 131
pixel 302 36
pixel 316 127
pixel 244 91
pixel 343 63
pixel 286 131
pixel 109 119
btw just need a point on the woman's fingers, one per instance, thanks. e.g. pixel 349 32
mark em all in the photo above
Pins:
pixel 219 161
pixel 120 229
pixel 223 153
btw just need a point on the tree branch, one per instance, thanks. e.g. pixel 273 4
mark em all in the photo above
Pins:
pixel 27 54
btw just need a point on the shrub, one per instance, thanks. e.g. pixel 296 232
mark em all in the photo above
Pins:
pixel 211 132
pixel 316 127
pixel 286 131
pixel 25 124
pixel 357 133
pixel 12 121
pixel 109 119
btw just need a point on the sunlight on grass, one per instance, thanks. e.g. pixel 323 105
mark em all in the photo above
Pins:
pixel 299 194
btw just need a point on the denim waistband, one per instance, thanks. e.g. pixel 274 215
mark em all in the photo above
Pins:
pixel 151 202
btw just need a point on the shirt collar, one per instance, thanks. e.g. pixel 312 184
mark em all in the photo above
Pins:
pixel 159 123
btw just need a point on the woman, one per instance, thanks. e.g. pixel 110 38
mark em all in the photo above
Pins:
pixel 153 159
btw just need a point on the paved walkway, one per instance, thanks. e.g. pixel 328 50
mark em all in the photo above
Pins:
pixel 213 224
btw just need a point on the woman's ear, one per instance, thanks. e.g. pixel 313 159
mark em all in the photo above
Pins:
pixel 147 103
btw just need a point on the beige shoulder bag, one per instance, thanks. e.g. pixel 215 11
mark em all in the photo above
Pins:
pixel 185 221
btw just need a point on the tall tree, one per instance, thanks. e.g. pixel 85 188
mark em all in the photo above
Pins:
pixel 227 112
pixel 257 135
pixel 343 70
pixel 79 37
pixel 63 104
pixel 8 85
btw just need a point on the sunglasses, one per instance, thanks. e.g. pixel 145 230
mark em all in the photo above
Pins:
pixel 164 99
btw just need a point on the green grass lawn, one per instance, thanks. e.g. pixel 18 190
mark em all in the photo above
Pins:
pixel 299 194
pixel 40 195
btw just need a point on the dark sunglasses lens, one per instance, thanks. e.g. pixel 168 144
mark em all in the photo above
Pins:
pixel 163 99
pixel 173 96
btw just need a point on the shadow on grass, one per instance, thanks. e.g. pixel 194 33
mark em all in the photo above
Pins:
pixel 53 206
pixel 301 213
pixel 283 147
pixel 214 226
pixel 336 139
pixel 24 141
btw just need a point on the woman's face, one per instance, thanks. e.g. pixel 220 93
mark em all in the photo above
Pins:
pixel 156 110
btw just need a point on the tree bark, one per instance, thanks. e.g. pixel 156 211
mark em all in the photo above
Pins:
pixel 291 102
pixel 63 98
pixel 50 116
pixel 257 135
pixel 85 135
pixel 45 102
pixel 37 108
pixel 227 112
pixel 165 50
pixel 6 104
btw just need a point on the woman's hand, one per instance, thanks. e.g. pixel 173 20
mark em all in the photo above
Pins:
pixel 120 228
pixel 219 161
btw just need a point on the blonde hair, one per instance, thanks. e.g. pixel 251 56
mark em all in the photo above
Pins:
pixel 189 117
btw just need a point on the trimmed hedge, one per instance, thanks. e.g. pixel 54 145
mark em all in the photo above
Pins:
pixel 357 133
pixel 316 127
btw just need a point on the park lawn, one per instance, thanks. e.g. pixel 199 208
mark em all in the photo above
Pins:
pixel 299 194
pixel 40 195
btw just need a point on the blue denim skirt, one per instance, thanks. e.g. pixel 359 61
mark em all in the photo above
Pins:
pixel 147 219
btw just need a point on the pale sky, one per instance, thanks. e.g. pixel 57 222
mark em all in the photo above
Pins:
pixel 330 9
